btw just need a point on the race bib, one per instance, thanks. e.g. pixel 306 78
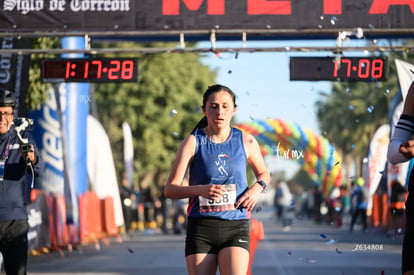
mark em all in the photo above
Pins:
pixel 225 203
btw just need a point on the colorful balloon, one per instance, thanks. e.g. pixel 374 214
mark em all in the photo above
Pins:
pixel 314 153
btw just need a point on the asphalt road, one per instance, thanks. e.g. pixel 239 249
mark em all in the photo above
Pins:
pixel 308 248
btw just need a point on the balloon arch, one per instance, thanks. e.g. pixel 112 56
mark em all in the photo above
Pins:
pixel 288 140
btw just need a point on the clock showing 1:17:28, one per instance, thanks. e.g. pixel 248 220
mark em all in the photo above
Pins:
pixel 90 70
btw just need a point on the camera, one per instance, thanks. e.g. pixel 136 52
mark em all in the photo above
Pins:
pixel 25 148
pixel 23 124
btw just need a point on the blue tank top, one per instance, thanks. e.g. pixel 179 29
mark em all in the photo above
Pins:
pixel 219 163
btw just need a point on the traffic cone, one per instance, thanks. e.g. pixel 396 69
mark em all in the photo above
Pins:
pixel 256 235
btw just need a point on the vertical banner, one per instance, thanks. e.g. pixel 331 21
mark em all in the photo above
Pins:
pixel 101 167
pixel 47 134
pixel 405 72
pixel 14 70
pixel 128 153
pixel 75 125
pixel 377 157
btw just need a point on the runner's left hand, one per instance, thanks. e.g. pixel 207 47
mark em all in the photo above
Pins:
pixel 249 199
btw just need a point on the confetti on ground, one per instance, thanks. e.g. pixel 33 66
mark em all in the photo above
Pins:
pixel 338 251
pixel 289 253
pixel 310 261
pixel 330 242
pixel 323 235
pixel 130 250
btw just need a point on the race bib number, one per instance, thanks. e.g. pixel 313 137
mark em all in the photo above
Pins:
pixel 225 203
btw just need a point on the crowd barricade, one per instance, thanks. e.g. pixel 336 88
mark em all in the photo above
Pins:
pixel 90 218
pixel 96 222
pixel 380 214
pixel 109 226
pixel 60 222
pixel 375 214
pixel 38 218
pixel 384 210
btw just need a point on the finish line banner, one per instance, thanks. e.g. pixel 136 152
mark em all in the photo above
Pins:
pixel 185 15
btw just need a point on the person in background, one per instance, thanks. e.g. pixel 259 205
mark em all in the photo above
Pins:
pixel 360 197
pixel 161 210
pixel 397 207
pixel 147 198
pixel 220 199
pixel 17 161
pixel 129 203
pixel 333 202
pixel 401 149
pixel 317 203
pixel 283 200
pixel 345 205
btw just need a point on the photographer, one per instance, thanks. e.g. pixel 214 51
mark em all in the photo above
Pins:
pixel 17 161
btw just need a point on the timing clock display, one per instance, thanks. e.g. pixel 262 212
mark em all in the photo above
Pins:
pixel 339 69
pixel 90 70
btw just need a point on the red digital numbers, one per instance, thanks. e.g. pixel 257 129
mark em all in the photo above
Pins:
pixel 127 69
pixel 90 70
pixel 359 68
pixel 333 68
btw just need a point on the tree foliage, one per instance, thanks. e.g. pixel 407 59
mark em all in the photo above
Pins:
pixel 162 108
pixel 36 93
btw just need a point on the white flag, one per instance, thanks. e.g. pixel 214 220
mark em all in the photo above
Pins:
pixel 405 73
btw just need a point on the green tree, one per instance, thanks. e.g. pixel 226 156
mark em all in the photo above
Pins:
pixel 162 108
pixel 36 93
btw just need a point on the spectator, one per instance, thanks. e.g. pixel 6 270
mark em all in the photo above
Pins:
pixel 129 204
pixel 283 199
pixel 360 196
pixel 397 207
pixel 17 161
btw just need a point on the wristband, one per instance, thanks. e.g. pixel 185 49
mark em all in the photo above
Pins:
pixel 262 183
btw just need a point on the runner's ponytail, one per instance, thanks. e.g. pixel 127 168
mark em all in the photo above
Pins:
pixel 201 124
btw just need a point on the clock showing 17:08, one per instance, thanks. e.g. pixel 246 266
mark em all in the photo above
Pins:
pixel 90 70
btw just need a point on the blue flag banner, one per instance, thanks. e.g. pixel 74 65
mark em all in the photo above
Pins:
pixel 47 134
pixel 75 124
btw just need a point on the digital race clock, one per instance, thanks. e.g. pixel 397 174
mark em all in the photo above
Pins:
pixel 342 69
pixel 90 70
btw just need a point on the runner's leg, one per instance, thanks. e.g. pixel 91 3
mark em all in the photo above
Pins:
pixel 233 260
pixel 201 264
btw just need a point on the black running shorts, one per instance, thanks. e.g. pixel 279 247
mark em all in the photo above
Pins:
pixel 211 235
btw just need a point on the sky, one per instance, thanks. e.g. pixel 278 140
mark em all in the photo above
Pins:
pixel 264 90
pixel 261 83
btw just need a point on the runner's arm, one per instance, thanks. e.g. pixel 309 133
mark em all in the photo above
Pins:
pixel 173 187
pixel 401 147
